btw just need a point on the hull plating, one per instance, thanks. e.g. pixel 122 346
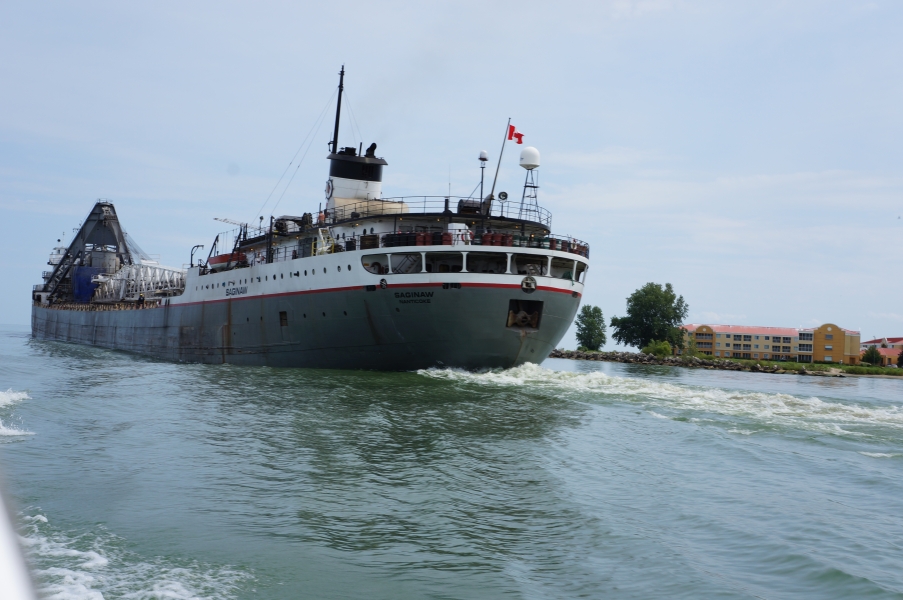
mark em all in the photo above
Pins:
pixel 398 328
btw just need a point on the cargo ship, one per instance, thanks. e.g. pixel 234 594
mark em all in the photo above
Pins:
pixel 363 282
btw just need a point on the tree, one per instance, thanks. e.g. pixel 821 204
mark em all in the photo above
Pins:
pixel 653 313
pixel 591 327
pixel 900 359
pixel 872 356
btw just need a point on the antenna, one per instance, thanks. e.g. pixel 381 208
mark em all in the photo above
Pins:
pixel 488 199
pixel 338 111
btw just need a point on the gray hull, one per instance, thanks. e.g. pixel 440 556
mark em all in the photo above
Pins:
pixel 399 328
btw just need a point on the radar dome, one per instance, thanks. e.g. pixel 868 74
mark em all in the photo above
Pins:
pixel 529 158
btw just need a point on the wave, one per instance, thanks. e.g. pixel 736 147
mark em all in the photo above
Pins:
pixel 95 565
pixel 880 454
pixel 761 407
pixel 11 397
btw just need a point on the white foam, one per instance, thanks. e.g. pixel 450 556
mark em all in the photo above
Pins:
pixel 741 431
pixel 11 397
pixel 879 454
pixel 94 566
pixel 779 409
pixel 11 431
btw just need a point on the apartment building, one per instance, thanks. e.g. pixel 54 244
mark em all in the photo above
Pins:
pixel 885 342
pixel 889 356
pixel 826 343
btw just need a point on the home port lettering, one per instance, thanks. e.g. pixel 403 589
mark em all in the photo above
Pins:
pixel 414 297
pixel 236 291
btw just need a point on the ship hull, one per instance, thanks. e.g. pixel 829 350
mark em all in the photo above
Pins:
pixel 401 327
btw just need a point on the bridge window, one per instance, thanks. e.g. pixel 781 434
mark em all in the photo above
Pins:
pixel 444 262
pixel 487 262
pixel 581 271
pixel 529 264
pixel 405 263
pixel 562 268
pixel 378 264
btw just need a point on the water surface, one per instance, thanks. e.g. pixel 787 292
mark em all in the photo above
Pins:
pixel 143 479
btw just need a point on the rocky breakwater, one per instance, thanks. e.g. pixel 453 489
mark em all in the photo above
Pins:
pixel 685 361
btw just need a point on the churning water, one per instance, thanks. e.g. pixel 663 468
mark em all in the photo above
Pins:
pixel 142 479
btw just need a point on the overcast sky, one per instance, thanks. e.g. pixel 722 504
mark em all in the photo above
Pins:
pixel 749 153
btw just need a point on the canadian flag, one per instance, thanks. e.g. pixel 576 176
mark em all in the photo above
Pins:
pixel 514 134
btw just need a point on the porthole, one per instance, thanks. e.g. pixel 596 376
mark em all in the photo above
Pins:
pixel 305 315
pixel 349 267
pixel 280 275
pixel 340 268
pixel 324 269
pixel 324 314
pixel 397 310
pixel 345 312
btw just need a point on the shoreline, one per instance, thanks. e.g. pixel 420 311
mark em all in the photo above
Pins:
pixel 638 358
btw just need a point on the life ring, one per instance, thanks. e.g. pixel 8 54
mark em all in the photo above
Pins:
pixel 329 189
pixel 466 236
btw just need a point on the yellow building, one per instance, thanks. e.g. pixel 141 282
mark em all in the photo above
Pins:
pixel 826 343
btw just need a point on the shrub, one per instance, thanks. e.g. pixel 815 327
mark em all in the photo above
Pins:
pixel 656 348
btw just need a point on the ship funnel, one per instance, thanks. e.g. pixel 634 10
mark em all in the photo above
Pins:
pixel 529 158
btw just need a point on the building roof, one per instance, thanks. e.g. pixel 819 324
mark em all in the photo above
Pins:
pixel 762 330
pixel 894 352
pixel 748 329
pixel 890 340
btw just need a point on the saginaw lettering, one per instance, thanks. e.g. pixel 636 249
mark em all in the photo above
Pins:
pixel 236 291
pixel 414 297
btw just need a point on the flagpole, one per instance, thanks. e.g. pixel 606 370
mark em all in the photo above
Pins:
pixel 489 198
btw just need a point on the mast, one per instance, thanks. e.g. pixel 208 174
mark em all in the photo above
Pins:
pixel 338 111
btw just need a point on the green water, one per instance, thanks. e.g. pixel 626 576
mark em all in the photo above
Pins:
pixel 142 479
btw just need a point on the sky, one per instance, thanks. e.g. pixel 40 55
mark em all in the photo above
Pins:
pixel 749 153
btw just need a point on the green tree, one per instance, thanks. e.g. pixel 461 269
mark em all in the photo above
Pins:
pixel 872 356
pixel 900 359
pixel 653 313
pixel 591 327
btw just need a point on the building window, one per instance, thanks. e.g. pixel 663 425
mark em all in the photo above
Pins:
pixel 727 345
pixel 747 338
pixel 829 336
pixel 757 337
pixel 829 347
pixel 765 356
pixel 717 335
pixel 737 338
pixel 829 359
pixel 727 354
pixel 717 344
pixel 805 337
pixel 717 354
pixel 766 338
pixel 756 355
pixel 787 340
pixel 805 347
pixel 786 349
pixel 747 346
pixel 756 346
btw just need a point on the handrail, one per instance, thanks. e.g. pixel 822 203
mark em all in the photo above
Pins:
pixel 449 205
